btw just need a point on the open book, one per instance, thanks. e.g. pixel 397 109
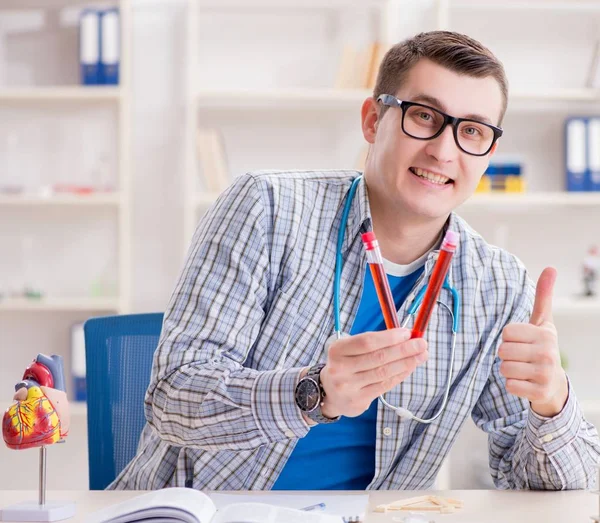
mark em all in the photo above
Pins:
pixel 184 505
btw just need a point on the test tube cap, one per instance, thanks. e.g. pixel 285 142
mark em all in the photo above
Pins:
pixel 369 240
pixel 450 239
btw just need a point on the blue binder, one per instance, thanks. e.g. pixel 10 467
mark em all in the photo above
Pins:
pixel 78 370
pixel 576 154
pixel 110 46
pixel 593 154
pixel 89 47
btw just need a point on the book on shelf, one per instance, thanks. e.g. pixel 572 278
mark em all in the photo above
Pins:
pixel 212 159
pixel 358 68
pixel 78 374
pixel 188 505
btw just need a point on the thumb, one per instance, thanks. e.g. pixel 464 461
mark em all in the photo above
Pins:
pixel 542 307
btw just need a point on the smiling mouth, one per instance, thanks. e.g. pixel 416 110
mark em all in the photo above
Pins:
pixel 431 177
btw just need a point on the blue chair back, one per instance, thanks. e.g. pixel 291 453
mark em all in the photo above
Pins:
pixel 118 354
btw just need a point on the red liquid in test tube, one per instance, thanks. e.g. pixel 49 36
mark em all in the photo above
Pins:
pixel 382 285
pixel 435 284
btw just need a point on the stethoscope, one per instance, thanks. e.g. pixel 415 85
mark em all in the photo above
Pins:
pixel 454 312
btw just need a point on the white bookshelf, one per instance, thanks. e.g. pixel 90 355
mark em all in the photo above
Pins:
pixel 43 325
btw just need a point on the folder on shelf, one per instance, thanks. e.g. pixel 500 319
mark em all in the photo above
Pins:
pixel 593 151
pixel 78 363
pixel 212 160
pixel 89 46
pixel 110 46
pixel 576 154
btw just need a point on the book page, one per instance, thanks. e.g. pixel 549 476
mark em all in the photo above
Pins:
pixel 355 503
pixel 175 504
pixel 262 513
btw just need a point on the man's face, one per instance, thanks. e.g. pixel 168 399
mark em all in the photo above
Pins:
pixel 396 159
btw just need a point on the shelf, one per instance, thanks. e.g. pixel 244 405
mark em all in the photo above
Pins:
pixel 509 5
pixel 75 93
pixel 282 4
pixel 528 200
pixel 564 94
pixel 308 98
pixel 59 304
pixel 61 200
pixel 282 98
pixel 52 4
pixel 576 305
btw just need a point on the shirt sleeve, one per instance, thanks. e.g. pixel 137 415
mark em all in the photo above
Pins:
pixel 528 451
pixel 201 395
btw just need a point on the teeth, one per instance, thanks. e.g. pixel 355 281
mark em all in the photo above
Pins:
pixel 435 178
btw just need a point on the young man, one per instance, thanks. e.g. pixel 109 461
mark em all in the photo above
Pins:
pixel 244 393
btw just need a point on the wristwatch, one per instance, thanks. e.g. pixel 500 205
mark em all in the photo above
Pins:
pixel 309 395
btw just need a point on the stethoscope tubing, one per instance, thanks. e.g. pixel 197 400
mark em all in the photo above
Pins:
pixel 454 312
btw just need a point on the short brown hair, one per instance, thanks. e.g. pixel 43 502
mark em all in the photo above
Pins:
pixel 457 52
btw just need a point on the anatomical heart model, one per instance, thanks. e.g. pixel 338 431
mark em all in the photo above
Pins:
pixel 40 414
pixel 38 417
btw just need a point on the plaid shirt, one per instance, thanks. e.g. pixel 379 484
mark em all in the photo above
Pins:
pixel 253 306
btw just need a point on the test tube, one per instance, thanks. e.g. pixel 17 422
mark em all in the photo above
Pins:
pixel 382 285
pixel 436 282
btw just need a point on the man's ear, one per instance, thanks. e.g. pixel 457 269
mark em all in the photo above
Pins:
pixel 370 119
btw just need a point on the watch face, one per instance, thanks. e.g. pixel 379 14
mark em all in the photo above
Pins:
pixel 307 394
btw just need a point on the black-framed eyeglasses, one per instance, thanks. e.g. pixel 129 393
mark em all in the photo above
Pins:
pixel 426 123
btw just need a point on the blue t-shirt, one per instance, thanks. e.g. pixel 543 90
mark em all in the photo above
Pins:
pixel 341 455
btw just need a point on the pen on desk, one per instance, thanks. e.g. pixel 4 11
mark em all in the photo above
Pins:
pixel 436 281
pixel 382 285
pixel 318 506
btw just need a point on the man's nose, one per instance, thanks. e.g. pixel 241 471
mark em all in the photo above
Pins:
pixel 443 148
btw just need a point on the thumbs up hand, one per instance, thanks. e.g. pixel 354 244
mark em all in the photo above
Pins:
pixel 530 355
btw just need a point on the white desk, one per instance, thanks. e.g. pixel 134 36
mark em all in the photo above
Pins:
pixel 480 506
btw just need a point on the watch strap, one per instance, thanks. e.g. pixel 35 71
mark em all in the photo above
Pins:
pixel 316 414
